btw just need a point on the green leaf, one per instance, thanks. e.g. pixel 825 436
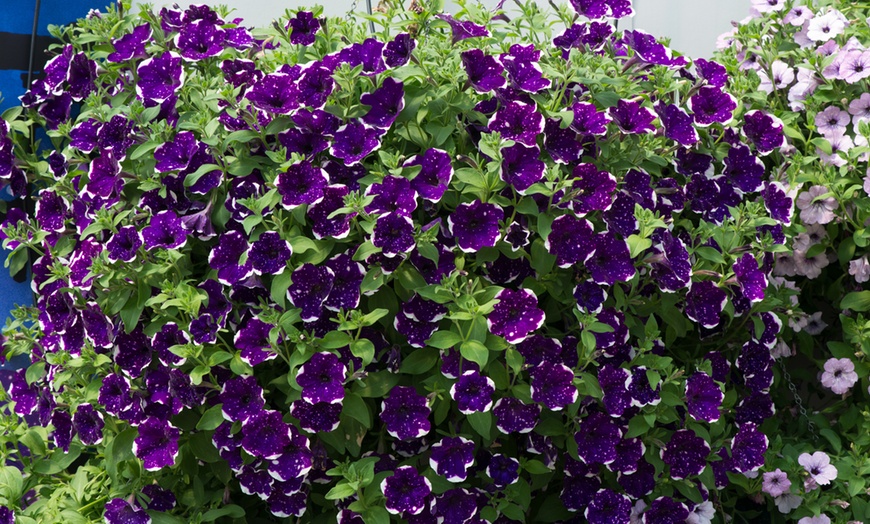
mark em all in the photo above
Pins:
pixel 11 483
pixel 335 340
pixel 230 510
pixel 711 254
pixel 342 490
pixel 363 348
pixel 355 407
pixel 192 178
pixel 376 515
pixel 856 301
pixel 212 418
pixel 475 351
pixel 144 149
pixel 481 422
pixel 637 426
pixel 203 448
pixel 119 449
pixel 444 339
pixel 378 384
pixel 135 305
pixel 159 517
pixel 369 319
pixel 637 245
pixel 536 467
pixel 34 372
pixel 419 361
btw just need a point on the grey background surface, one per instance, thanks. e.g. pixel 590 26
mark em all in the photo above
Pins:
pixel 692 25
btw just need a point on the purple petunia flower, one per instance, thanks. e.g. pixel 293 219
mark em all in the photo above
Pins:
pixel 405 413
pixel 677 124
pixel 451 458
pixel 473 392
pixel 300 184
pixel 591 190
pixel 665 510
pixel 553 385
pixel 160 77
pixel 516 315
pixel 561 144
pixel 571 240
pixel 712 105
pixel 517 121
pixel 503 470
pixel 124 244
pixel 747 449
pixel 839 375
pixel 157 444
pixel 435 173
pixel 252 340
pixel 294 461
pixel 752 280
pixel 394 234
pixel 819 466
pixel 397 52
pixel 686 454
pixel 200 39
pixel 703 397
pixel 322 416
pixel 597 439
pixel 310 288
pixel 406 491
pixel 275 93
pixel 631 117
pixel 349 276
pixel 386 103
pixel 164 231
pixel 513 416
pixel 611 261
pixel 608 507
pixel 354 141
pixel 131 45
pixel 524 73
pixel 776 483
pixel 119 511
pixel 225 257
pixel 763 130
pixel 714 73
pixel 613 381
pixel 588 120
pixel 269 254
pixel 265 435
pixel 322 379
pixel 485 72
pixel 336 227
pixel 303 28
pixel 521 166
pixel 241 398
pixel 744 169
pixel 705 303
pixel 392 195
pixel 648 50
pixel 475 225
pixel 463 29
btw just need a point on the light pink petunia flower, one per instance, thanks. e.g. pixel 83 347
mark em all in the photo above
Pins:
pixel 855 66
pixel 827 26
pixel 839 377
pixel 832 120
pixel 860 269
pixel 815 210
pixel 783 76
pixel 776 483
pixel 819 466
pixel 798 15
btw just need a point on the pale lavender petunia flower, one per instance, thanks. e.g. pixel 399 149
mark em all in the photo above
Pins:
pixel 798 15
pixel 855 66
pixel 815 210
pixel 827 26
pixel 768 6
pixel 819 466
pixel 840 143
pixel 814 325
pixel 810 267
pixel 819 519
pixel 776 483
pixel 783 76
pixel 806 85
pixel 831 121
pixel 839 377
pixel 860 269
pixel 860 109
pixel 786 503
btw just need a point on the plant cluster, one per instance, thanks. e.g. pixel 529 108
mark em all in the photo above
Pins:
pixel 477 267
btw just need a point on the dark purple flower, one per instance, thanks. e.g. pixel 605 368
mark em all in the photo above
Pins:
pixel 588 120
pixel 84 135
pixel 225 257
pixel 613 381
pixel 393 195
pixel 104 181
pixel 386 103
pixel 513 416
pixel 611 262
pixel 160 77
pixel 132 352
pixel 640 389
pixel 451 458
pixel 394 234
pixel 578 490
pixel 354 141
pixel 485 72
pixel 553 385
pixel 629 453
pixel 300 184
pixel 178 154
pixel 115 394
pixel 743 169
pixel 255 481
pixel 157 444
pixel 322 379
pixel 322 416
pixel 51 211
pixel 763 130
pixel 754 409
pixel 608 507
pixel 516 315
pixel 571 240
pixel 315 86
pixel 517 121
pixel 284 505
pixel 368 54
pixel 475 225
pixel 269 254
pixel 275 93
pixel 265 435
pixel 241 398
pixel 161 499
pixel 677 124
pixel 63 429
pixel 294 461
pixel 164 230
pixel 321 225
pixel 397 52
pixel 665 510
pixel 252 340
pixel 648 50
pixel 303 28
pixel 592 189
pixel 88 423
pixel 631 117
pixel 473 392
pixel 747 449
pixel 406 491
pixel 503 470
pixel 23 394
pixel 524 73
pixel 405 413
pixel 686 454
pixel 434 176
pixel 752 280
pixel 705 303
pixel 703 397
pixel 119 511
pixel 463 29
pixel 521 166
pixel 131 45
pixel 538 348
pixel 712 105
pixel 590 296
pixel 713 72
pixel 240 72
pixel 779 205
pixel 561 144
pixel 597 439
pixel 200 39
pixel 345 291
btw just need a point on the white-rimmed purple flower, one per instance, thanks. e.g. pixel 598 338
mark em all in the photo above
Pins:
pixel 747 449
pixel 294 461
pixel 597 439
pixel 553 385
pixel 164 230
pixel 354 141
pixel 394 234
pixel 665 510
pixel 524 73
pixel 752 280
pixel 124 244
pixel 88 424
pixel 349 275
pixel 405 413
pixel 475 225
pixel 463 29
pixel 276 93
pixel 160 77
pixel 392 195
pixel 703 397
pixel 119 511
pixel 473 392
pixel 516 315
pixel 310 288
pixel 712 105
pixel 592 189
pixel 713 72
pixel 386 103
pixel 300 184
pixel 521 166
pixel 265 435
pixel 451 457
pixel 157 444
pixel 839 375
pixel 763 130
pixel 435 173
pixel 252 340
pixel 303 28
pixel 613 381
pixel 632 118
pixel 336 227
pixel 398 51
pixel 819 466
pixel 705 303
pixel 241 398
pixel 648 49
pixel 269 254
pixel 608 507
pixel 513 416
pixel 406 491
pixel 518 121
pixel 686 454
pixel 322 416
pixel 503 470
pixel 485 72
pixel 611 261
pixel 131 45
pixel 677 123
pixel 322 378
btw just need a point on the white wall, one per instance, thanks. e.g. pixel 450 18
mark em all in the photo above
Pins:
pixel 692 25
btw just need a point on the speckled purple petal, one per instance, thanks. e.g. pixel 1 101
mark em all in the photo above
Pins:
pixel 516 315
pixel 451 458
pixel 475 225
pixel 597 439
pixel 705 303
pixel 521 166
pixel 553 385
pixel 519 122
pixel 405 413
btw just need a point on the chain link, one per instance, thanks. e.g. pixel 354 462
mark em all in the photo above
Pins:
pixel 352 10
pixel 797 398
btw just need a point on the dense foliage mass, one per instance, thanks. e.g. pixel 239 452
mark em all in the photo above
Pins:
pixel 476 267
pixel 806 64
